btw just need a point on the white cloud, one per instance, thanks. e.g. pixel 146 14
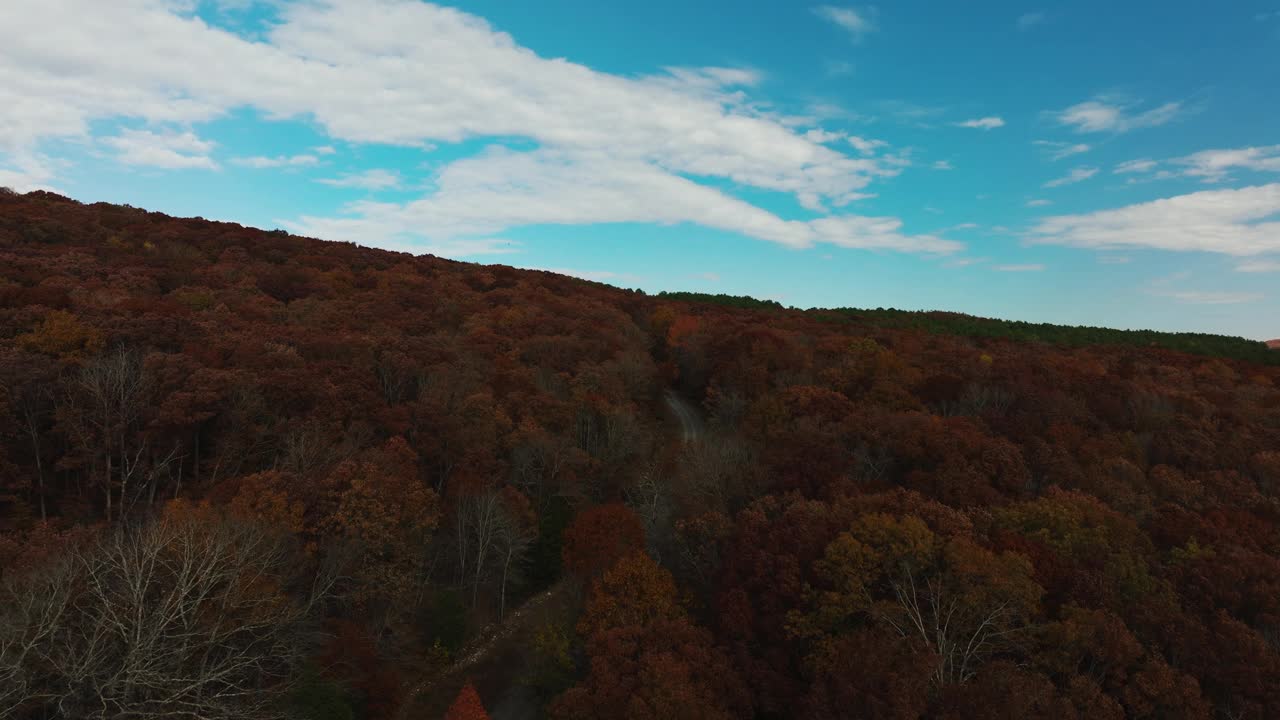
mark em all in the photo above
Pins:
pixel 375 179
pixel 1030 20
pixel 168 149
pixel 1076 175
pixel 1214 165
pixel 1259 266
pixel 866 146
pixel 325 150
pixel 1232 222
pixel 1059 150
pixel 1112 260
pixel 1039 202
pixel 501 188
pixel 819 135
pixel 1196 297
pixel 26 172
pixel 1106 114
pixel 261 162
pixel 856 22
pixel 1210 166
pixel 1135 166
pixel 600 276
pixel 1035 267
pixel 409 73
pixel 943 165
pixel 986 123
pixel 708 276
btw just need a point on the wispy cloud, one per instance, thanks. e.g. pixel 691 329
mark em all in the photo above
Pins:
pixel 1259 266
pixel 1106 114
pixel 27 172
pixel 1029 20
pixel 601 276
pixel 1135 166
pixel 840 68
pixel 501 188
pixel 1210 166
pixel 168 149
pixel 1112 259
pixel 908 112
pixel 376 179
pixel 856 22
pixel 984 123
pixel 1214 165
pixel 1076 175
pixel 1232 222
pixel 1059 150
pixel 943 165
pixel 819 135
pixel 1039 202
pixel 261 162
pixel 1197 297
pixel 866 146
pixel 1032 267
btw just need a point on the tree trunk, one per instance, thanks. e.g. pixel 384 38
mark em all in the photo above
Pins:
pixel 35 446
pixel 502 596
pixel 107 483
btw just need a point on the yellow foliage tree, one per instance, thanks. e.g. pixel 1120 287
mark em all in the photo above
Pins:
pixel 958 599
pixel 62 335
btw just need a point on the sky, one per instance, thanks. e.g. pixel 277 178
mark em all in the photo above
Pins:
pixel 1084 162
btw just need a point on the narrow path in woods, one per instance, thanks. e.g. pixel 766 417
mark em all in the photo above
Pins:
pixel 689 417
pixel 483 658
pixel 494 642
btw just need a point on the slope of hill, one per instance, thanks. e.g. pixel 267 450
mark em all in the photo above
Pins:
pixel 1273 344
pixel 373 457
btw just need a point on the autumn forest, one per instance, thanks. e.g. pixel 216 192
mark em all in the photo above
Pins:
pixel 246 474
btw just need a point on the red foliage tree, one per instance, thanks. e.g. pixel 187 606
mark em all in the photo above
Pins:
pixel 467 706
pixel 598 537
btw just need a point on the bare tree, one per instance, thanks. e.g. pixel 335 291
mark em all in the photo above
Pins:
pixel 961 629
pixel 477 516
pixel 32 612
pixel 186 616
pixel 491 538
pixel 717 472
pixel 649 495
pixel 102 409
pixel 514 536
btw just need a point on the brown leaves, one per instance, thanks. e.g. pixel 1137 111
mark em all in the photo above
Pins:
pixel 635 591
pixel 598 537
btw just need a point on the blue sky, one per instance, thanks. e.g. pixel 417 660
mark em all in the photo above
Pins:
pixel 1088 162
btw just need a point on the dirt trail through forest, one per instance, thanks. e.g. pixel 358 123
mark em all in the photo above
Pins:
pixel 482 658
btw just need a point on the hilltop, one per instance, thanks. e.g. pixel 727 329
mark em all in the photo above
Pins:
pixel 410 483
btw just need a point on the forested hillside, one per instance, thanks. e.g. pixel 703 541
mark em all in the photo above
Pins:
pixel 245 474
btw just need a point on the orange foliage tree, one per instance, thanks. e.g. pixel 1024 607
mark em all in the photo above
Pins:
pixel 467 706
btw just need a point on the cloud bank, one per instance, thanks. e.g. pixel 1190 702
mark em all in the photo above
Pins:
pixel 606 148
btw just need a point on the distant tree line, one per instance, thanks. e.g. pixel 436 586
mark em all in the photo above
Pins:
pixel 951 323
